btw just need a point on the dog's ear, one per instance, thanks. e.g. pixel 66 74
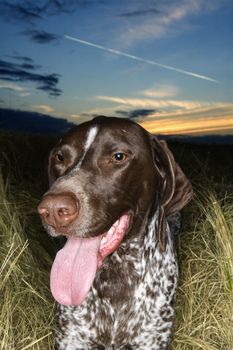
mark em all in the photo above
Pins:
pixel 176 190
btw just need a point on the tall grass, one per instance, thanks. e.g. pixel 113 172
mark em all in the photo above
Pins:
pixel 204 307
pixel 26 309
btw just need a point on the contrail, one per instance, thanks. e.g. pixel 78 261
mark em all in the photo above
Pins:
pixel 140 59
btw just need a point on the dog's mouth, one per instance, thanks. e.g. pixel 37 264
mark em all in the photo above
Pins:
pixel 75 265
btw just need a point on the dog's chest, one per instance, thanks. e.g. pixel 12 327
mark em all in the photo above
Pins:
pixel 131 311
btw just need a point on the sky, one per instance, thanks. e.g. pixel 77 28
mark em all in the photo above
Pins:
pixel 166 64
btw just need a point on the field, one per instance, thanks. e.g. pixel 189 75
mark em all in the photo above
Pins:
pixel 204 305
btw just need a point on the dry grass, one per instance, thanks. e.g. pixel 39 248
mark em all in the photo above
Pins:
pixel 205 297
pixel 26 310
pixel 204 308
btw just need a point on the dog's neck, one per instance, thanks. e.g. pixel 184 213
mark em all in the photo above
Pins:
pixel 111 281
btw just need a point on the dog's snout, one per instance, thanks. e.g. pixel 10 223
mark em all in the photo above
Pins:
pixel 59 210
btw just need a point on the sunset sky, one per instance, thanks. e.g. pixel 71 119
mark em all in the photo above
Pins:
pixel 167 64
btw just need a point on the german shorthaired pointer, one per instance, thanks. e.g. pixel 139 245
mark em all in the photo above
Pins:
pixel 113 188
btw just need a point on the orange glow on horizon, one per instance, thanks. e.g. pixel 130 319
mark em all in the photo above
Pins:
pixel 182 126
pixel 171 116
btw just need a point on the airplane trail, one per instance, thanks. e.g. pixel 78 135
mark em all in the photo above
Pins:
pixel 140 59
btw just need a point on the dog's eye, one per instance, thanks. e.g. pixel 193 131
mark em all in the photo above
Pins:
pixel 59 157
pixel 119 157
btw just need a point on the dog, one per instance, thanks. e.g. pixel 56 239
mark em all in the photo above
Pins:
pixel 115 194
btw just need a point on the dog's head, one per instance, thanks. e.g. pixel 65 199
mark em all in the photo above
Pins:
pixel 105 176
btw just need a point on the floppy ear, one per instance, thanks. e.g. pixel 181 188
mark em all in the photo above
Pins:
pixel 176 190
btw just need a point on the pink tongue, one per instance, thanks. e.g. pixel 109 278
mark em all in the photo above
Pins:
pixel 74 270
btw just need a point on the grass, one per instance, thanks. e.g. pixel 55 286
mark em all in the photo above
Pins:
pixel 26 308
pixel 204 305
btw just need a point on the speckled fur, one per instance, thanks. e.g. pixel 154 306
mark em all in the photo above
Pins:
pixel 143 319
pixel 130 304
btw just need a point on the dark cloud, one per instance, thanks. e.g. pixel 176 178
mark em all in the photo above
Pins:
pixel 41 37
pixel 10 65
pixel 22 58
pixel 32 122
pixel 21 10
pixel 29 66
pixel 139 13
pixel 18 72
pixel 136 113
pixel 32 11
pixel 27 62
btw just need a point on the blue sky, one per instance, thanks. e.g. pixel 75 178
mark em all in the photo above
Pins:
pixel 41 70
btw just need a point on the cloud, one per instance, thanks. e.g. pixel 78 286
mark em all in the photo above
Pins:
pixel 208 118
pixel 21 11
pixel 32 122
pixel 41 36
pixel 82 117
pixel 24 59
pixel 33 11
pixel 44 108
pixel 160 91
pixel 94 112
pixel 74 116
pixel 11 86
pixel 138 13
pixel 166 116
pixel 19 90
pixel 25 63
pixel 212 120
pixel 18 72
pixel 146 103
pixel 170 19
pixel 136 114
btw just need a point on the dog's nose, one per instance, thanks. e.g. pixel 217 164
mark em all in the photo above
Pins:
pixel 59 210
